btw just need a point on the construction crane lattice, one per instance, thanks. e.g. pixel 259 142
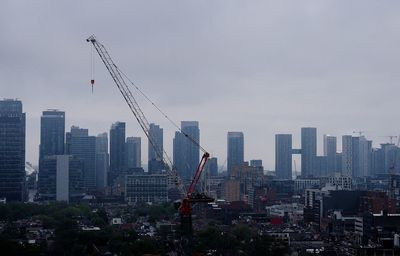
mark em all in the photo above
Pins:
pixel 117 76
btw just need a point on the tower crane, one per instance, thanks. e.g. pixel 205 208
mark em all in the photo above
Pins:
pixel 189 197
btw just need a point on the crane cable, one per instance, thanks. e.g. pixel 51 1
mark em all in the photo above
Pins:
pixel 162 112
pixel 92 66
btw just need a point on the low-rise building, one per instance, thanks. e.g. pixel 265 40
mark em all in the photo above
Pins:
pixel 146 188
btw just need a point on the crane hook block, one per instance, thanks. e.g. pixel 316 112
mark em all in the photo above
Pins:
pixel 92 82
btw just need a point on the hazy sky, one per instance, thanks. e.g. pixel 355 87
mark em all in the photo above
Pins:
pixel 261 67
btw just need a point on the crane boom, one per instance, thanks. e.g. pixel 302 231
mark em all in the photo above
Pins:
pixel 123 87
pixel 189 197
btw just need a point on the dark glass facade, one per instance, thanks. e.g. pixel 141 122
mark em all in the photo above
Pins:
pixel 155 149
pixel 117 151
pixel 52 138
pixel 48 189
pixel 187 153
pixel 83 147
pixel 12 150
pixel 235 150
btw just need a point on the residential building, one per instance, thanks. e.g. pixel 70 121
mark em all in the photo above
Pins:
pixel 356 156
pixel 347 155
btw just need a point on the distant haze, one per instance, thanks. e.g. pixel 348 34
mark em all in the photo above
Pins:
pixel 261 67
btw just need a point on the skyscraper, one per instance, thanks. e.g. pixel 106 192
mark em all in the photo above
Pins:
pixel 356 156
pixel 133 152
pixel 179 153
pixel 360 154
pixel 235 149
pixel 330 153
pixel 155 149
pixel 117 151
pixel 52 133
pixel 192 151
pixel 62 179
pixel 12 150
pixel 102 160
pixel 347 155
pixel 212 166
pixel 320 166
pixel 283 156
pixel 83 147
pixel 308 150
pixel 52 138
pixel 187 153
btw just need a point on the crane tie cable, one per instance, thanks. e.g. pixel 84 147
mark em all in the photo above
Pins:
pixel 161 112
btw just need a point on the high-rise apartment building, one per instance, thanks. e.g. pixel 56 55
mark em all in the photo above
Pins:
pixel 52 138
pixel 347 155
pixel 83 147
pixel 235 150
pixel 12 150
pixel 283 156
pixel 308 150
pixel 155 149
pixel 186 153
pixel 133 152
pixel 117 151
pixel 330 150
pixel 102 160
pixel 360 153
pixel 356 156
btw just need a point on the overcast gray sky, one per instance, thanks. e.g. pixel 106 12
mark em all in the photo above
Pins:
pixel 261 67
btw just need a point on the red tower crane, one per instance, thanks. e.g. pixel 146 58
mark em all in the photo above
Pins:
pixel 189 197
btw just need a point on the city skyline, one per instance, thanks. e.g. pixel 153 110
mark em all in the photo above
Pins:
pixel 270 166
pixel 262 68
